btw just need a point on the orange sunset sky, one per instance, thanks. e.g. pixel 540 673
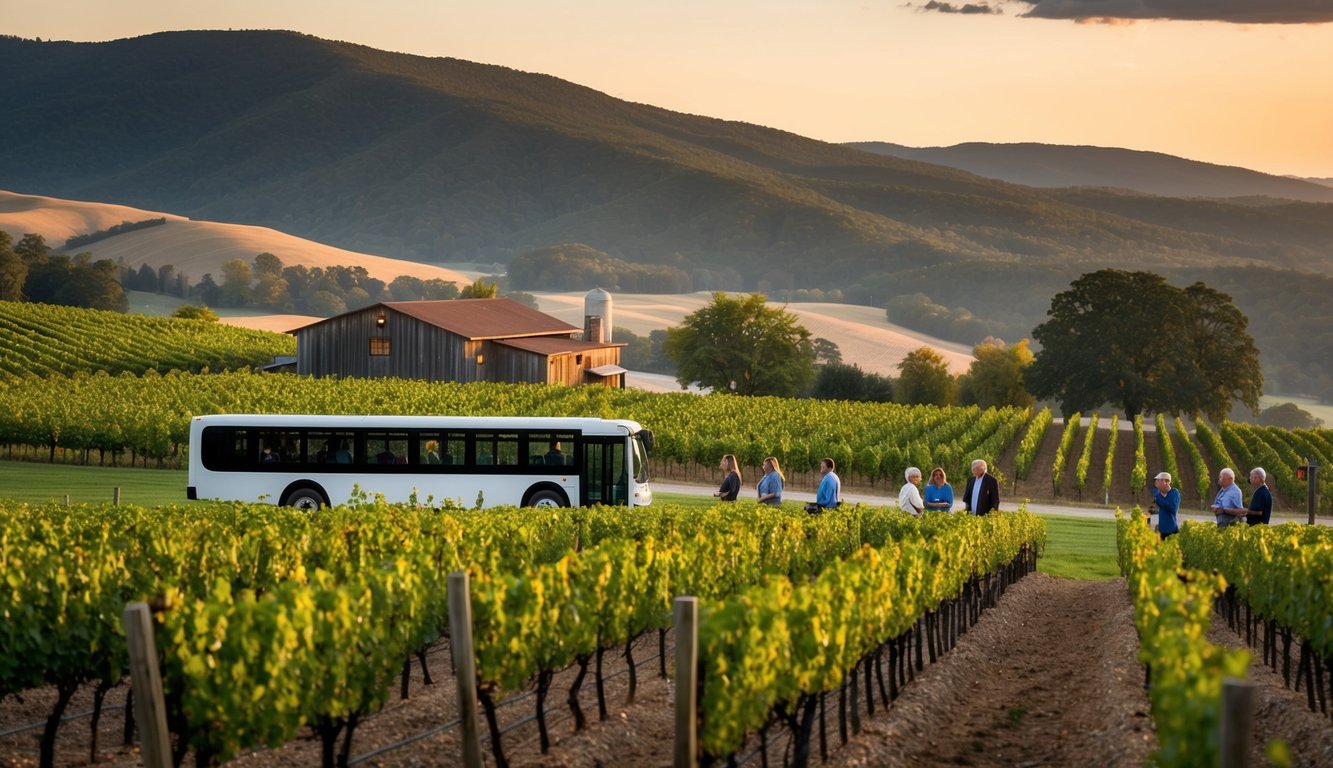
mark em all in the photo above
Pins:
pixel 1239 83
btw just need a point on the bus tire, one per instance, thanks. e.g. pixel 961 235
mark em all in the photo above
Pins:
pixel 305 496
pixel 546 496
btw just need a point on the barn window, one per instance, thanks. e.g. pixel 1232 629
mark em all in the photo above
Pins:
pixel 379 346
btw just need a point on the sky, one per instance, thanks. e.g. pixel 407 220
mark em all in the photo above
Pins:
pixel 1235 82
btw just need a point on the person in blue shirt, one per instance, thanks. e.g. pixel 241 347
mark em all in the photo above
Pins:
pixel 1261 503
pixel 1228 506
pixel 830 487
pixel 1167 500
pixel 938 492
pixel 770 485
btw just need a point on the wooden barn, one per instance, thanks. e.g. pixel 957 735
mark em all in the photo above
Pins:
pixel 456 340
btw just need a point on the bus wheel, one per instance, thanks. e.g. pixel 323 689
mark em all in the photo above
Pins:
pixel 546 497
pixel 305 497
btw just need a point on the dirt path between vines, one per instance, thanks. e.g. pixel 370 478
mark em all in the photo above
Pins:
pixel 1048 677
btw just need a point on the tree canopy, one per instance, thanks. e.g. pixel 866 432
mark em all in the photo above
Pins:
pixel 924 379
pixel 1288 416
pixel 995 378
pixel 1137 342
pixel 742 345
pixel 30 270
pixel 839 381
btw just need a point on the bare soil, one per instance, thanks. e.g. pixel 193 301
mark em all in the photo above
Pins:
pixel 1047 677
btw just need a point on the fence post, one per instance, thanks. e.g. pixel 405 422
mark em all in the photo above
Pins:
pixel 115 496
pixel 687 682
pixel 465 666
pixel 1312 490
pixel 149 705
pixel 1237 710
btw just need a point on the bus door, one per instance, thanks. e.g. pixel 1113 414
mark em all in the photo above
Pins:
pixel 605 479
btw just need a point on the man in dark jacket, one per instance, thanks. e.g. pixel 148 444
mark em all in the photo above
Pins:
pixel 983 490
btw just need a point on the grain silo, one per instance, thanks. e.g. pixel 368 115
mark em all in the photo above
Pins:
pixel 597 316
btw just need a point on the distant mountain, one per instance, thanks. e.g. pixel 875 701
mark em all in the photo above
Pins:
pixel 1324 182
pixel 1153 173
pixel 444 159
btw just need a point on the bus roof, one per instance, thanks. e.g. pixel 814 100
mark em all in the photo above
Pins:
pixel 585 424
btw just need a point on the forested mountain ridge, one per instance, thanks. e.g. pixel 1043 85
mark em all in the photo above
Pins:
pixel 1153 173
pixel 433 158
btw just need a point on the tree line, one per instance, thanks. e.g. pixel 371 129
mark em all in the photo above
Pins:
pixel 741 345
pixel 78 241
pixel 30 270
pixel 265 283
pixel 1127 339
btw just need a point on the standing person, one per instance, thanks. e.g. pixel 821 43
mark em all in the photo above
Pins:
pixel 1261 503
pixel 1228 507
pixel 909 498
pixel 983 491
pixel 938 493
pixel 1168 505
pixel 731 479
pixel 830 487
pixel 770 485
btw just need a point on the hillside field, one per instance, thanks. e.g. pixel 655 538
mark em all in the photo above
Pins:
pixel 194 248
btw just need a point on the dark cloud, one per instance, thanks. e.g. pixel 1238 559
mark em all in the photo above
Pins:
pixel 1233 11
pixel 933 5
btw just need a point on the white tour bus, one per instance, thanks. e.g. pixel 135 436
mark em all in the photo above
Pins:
pixel 314 461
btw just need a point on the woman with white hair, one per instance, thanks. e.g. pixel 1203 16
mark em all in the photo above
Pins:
pixel 909 498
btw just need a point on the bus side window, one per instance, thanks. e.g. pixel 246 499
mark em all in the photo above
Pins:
pixel 430 450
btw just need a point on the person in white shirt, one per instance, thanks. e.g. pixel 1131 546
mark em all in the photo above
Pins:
pixel 909 498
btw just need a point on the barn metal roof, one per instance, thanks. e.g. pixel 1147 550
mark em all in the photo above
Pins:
pixel 473 319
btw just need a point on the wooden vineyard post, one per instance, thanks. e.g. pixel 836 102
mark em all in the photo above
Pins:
pixel 465 666
pixel 686 620
pixel 149 706
pixel 1237 710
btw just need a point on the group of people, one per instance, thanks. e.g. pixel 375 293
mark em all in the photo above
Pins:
pixel 982 494
pixel 1228 506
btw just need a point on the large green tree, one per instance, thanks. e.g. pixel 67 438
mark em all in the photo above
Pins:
pixel 995 378
pixel 924 379
pixel 1133 340
pixel 742 345
pixel 237 283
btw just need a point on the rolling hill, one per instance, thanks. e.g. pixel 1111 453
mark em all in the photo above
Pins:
pixel 195 248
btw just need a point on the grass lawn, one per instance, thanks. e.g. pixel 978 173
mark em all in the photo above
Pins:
pixel 1079 548
pixel 1076 548
pixel 42 483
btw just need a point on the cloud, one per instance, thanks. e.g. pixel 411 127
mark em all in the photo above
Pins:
pixel 1232 11
pixel 968 8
